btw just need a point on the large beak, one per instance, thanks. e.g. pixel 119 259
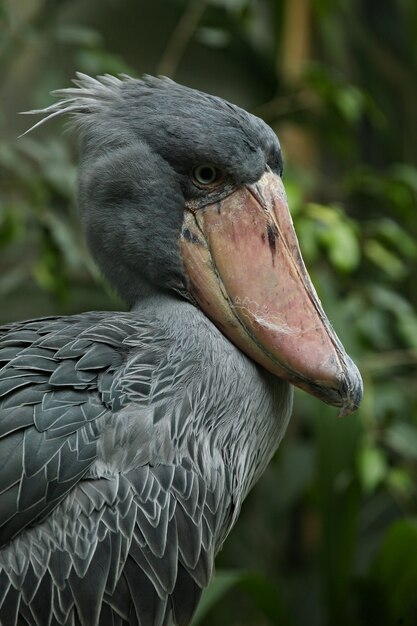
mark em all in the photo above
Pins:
pixel 246 272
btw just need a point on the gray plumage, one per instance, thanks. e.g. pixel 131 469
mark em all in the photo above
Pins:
pixel 128 441
pixel 126 446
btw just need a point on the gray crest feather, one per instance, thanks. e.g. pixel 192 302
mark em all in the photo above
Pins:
pixel 88 96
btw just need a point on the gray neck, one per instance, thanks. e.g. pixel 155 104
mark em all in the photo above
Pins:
pixel 242 411
pixel 154 299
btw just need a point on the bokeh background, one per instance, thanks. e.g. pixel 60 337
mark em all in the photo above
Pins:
pixel 329 535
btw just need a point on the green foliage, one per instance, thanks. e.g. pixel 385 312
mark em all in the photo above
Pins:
pixel 326 229
pixel 332 525
pixel 388 596
pixel 264 594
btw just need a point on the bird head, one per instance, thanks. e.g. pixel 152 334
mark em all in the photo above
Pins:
pixel 181 191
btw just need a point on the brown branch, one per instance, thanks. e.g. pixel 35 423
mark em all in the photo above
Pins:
pixel 181 37
pixel 292 56
pixel 280 106
pixel 387 360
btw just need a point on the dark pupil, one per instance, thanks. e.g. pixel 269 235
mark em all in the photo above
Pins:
pixel 206 174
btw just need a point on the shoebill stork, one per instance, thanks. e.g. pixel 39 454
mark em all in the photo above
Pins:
pixel 128 441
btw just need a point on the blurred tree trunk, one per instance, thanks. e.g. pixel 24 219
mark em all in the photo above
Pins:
pixel 294 52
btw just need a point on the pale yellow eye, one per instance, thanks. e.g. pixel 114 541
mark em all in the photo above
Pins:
pixel 205 174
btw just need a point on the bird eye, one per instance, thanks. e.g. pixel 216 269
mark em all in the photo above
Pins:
pixel 205 174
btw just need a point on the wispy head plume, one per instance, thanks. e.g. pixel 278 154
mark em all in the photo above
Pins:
pixel 88 96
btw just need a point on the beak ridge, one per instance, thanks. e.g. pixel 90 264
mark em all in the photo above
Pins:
pixel 247 274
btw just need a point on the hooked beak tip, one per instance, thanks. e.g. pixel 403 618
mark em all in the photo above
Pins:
pixel 353 387
pixel 346 393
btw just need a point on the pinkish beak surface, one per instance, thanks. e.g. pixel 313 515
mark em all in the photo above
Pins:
pixel 246 272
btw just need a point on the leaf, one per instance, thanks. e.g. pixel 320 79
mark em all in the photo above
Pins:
pixel 293 190
pixel 400 482
pixel 375 325
pixel 213 37
pixel 267 598
pixel 337 234
pixel 338 495
pixel 385 298
pixel 77 35
pixel 407 174
pixel 264 593
pixel 52 158
pixel 64 238
pixel 397 237
pixel 402 438
pixel 343 247
pixel 396 568
pixel 350 102
pixel 222 582
pixel 307 235
pixel 386 260
pixel 372 467
pixel 407 325
pixel 96 61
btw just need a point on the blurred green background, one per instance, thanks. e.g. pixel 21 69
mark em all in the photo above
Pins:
pixel 329 535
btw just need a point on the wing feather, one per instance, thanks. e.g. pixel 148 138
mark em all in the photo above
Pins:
pixel 49 394
pixel 136 546
pixel 9 610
